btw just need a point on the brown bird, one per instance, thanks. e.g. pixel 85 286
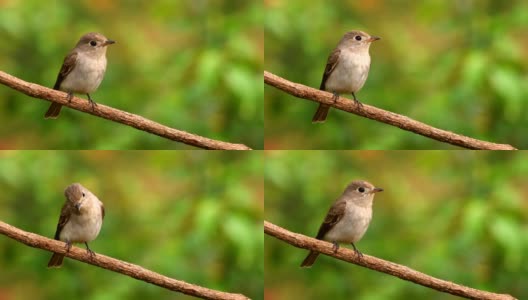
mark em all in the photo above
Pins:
pixel 82 71
pixel 346 70
pixel 80 220
pixel 348 218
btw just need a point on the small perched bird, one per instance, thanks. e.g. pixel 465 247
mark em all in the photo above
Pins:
pixel 346 69
pixel 80 220
pixel 348 218
pixel 82 71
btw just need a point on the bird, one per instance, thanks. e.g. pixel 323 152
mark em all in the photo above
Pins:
pixel 80 220
pixel 82 71
pixel 347 219
pixel 346 69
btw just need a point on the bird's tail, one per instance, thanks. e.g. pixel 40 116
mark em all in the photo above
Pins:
pixel 310 259
pixel 321 114
pixel 53 111
pixel 55 260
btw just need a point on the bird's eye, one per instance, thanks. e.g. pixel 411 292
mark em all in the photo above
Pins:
pixel 361 189
pixel 93 43
pixel 358 38
pixel 83 194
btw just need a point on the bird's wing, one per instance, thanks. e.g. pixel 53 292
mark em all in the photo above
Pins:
pixel 331 63
pixel 335 214
pixel 67 67
pixel 102 211
pixel 63 219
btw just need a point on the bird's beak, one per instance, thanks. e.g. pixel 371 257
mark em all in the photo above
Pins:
pixel 78 205
pixel 373 39
pixel 108 42
pixel 375 190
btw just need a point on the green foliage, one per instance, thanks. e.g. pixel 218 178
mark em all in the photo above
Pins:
pixel 455 215
pixel 458 66
pixel 194 216
pixel 191 65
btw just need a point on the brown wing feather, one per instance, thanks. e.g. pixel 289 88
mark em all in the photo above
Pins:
pixel 102 211
pixel 335 214
pixel 67 67
pixel 331 63
pixel 63 219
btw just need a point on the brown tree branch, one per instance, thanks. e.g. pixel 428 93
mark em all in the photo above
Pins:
pixel 374 113
pixel 116 115
pixel 380 265
pixel 112 264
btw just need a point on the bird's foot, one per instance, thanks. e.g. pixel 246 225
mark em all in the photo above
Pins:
pixel 68 246
pixel 92 254
pixel 335 247
pixel 359 104
pixel 358 254
pixel 92 102
pixel 336 96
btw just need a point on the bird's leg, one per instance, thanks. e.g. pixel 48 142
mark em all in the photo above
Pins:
pixel 68 246
pixel 335 247
pixel 92 254
pixel 91 102
pixel 336 96
pixel 359 254
pixel 70 96
pixel 357 101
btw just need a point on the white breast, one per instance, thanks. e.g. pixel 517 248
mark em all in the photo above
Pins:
pixel 352 226
pixel 86 75
pixel 84 227
pixel 350 74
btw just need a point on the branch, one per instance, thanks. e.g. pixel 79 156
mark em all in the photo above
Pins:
pixel 380 265
pixel 116 115
pixel 374 113
pixel 112 264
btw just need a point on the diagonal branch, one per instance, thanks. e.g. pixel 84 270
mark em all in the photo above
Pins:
pixel 116 115
pixel 380 265
pixel 119 266
pixel 374 113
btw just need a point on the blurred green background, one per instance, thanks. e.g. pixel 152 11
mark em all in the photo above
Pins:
pixel 456 65
pixel 191 215
pixel 194 65
pixel 456 215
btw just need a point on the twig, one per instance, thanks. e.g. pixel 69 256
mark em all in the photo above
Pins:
pixel 116 115
pixel 112 264
pixel 380 265
pixel 374 113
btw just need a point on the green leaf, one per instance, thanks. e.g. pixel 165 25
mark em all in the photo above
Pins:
pixel 505 232
pixel 506 83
